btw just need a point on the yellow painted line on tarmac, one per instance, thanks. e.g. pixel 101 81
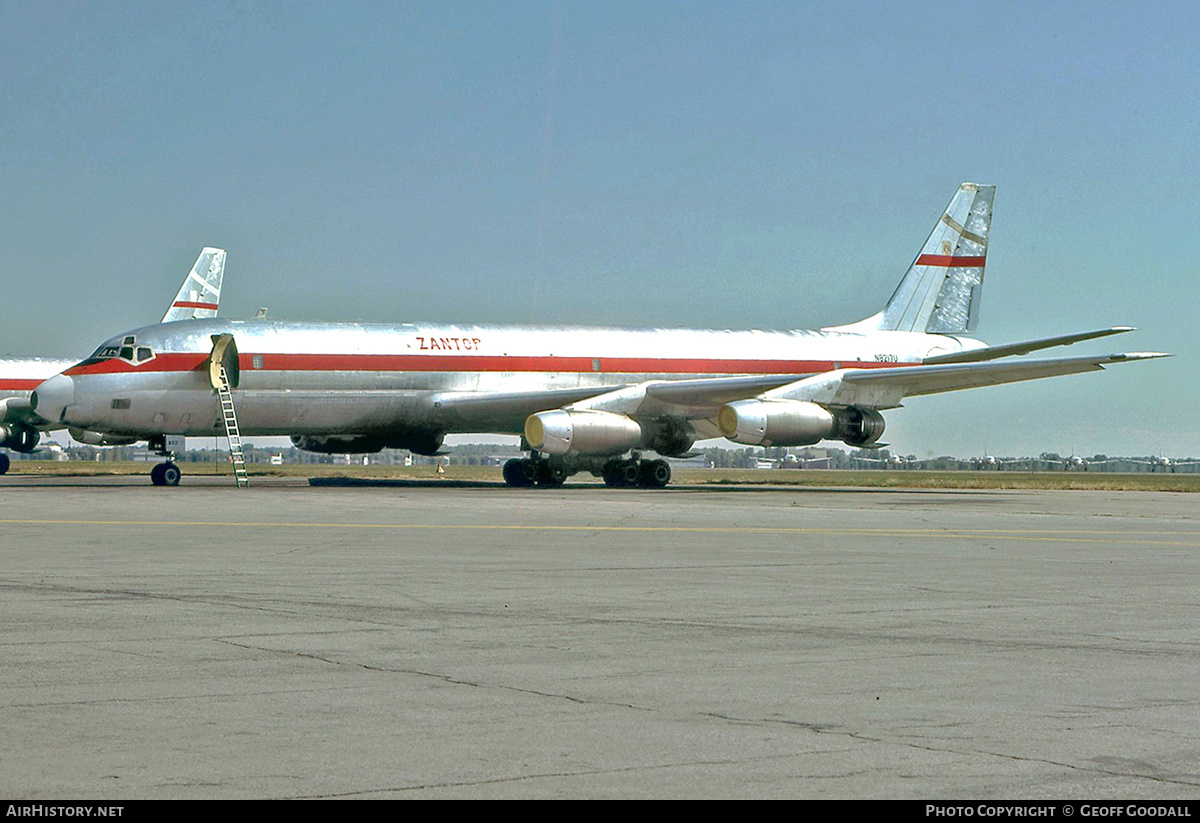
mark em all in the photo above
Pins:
pixel 1059 535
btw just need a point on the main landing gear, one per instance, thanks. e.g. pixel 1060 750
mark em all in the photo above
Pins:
pixel 529 471
pixel 642 474
pixel 551 472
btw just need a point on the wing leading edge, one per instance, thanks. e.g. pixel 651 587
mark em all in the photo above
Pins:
pixel 845 404
pixel 872 388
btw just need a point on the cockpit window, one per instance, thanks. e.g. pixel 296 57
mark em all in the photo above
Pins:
pixel 128 351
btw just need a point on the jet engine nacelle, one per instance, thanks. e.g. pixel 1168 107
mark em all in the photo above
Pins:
pixel 19 437
pixel 858 427
pixel 797 423
pixel 667 437
pixel 775 422
pixel 582 432
pixel 91 438
pixel 427 443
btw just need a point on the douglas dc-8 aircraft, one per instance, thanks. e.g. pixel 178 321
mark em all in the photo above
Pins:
pixel 21 427
pixel 590 399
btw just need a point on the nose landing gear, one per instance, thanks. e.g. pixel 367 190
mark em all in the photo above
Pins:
pixel 165 474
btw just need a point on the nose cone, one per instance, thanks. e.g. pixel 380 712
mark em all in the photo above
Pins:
pixel 51 398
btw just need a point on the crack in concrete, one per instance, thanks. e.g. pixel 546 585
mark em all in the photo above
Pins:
pixel 652 767
pixel 814 728
pixel 1002 755
pixel 445 678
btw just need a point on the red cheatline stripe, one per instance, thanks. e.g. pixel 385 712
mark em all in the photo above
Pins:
pixel 949 261
pixel 187 304
pixel 19 385
pixel 474 363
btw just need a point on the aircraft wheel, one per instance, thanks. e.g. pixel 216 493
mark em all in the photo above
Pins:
pixel 529 470
pixel 654 474
pixel 611 473
pixel 550 473
pixel 171 474
pixel 514 473
pixel 165 474
pixel 4 463
pixel 630 471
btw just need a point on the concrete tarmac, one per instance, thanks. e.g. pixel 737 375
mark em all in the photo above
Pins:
pixel 413 641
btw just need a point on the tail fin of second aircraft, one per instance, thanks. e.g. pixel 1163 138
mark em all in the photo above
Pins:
pixel 200 295
pixel 940 292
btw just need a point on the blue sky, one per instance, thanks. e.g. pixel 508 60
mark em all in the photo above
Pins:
pixel 772 165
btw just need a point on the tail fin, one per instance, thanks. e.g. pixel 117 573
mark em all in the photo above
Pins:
pixel 200 294
pixel 940 292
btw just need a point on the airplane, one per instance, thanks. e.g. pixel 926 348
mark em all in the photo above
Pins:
pixel 789 461
pixel 1166 464
pixel 887 461
pixel 797 461
pixel 20 427
pixel 1080 464
pixel 582 399
pixel 990 461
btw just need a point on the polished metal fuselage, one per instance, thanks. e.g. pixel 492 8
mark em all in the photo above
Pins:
pixel 300 378
pixel 19 376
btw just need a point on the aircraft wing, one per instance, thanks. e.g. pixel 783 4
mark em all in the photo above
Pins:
pixel 870 388
pixel 716 392
pixel 709 393
pixel 200 295
pixel 1025 347
pixel 506 411
pixel 700 400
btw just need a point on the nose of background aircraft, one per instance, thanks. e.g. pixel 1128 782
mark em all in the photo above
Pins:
pixel 51 398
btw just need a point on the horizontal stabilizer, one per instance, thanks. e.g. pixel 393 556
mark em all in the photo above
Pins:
pixel 885 388
pixel 1025 347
